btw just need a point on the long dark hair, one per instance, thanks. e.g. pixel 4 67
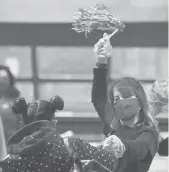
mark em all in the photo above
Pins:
pixel 138 90
pixel 38 109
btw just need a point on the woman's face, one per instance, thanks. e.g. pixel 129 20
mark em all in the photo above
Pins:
pixel 126 104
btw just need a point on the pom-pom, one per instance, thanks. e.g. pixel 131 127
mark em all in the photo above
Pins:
pixel 114 145
pixel 96 18
pixel 19 106
pixel 57 103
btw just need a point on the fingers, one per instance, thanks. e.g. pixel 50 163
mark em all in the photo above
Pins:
pixel 103 42
pixel 102 49
pixel 105 36
pixel 99 44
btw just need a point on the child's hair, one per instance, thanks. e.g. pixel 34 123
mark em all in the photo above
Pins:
pixel 38 109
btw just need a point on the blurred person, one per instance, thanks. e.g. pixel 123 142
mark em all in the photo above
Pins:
pixel 8 93
pixel 158 99
pixel 44 110
pixel 132 121
pixel 38 146
pixel 38 109
pixel 35 111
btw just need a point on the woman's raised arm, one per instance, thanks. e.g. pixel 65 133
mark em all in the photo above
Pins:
pixel 99 86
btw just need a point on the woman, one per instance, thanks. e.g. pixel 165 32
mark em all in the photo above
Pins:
pixel 158 99
pixel 133 123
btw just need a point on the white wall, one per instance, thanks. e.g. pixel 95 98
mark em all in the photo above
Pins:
pixel 63 10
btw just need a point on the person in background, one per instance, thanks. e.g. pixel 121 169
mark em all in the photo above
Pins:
pixel 132 121
pixel 38 109
pixel 38 147
pixel 158 99
pixel 8 93
pixel 44 110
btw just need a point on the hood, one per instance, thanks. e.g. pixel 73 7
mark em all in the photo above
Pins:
pixel 33 138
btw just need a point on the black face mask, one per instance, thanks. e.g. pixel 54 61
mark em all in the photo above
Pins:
pixel 126 109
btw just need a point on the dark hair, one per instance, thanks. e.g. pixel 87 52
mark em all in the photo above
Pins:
pixel 139 92
pixel 37 110
pixel 11 77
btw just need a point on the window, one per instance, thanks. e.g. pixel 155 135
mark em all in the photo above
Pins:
pixel 77 96
pixel 141 63
pixel 18 59
pixel 65 62
pixel 26 90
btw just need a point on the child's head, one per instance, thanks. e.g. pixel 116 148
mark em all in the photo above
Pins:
pixel 38 110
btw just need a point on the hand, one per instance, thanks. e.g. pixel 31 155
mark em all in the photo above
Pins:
pixel 102 49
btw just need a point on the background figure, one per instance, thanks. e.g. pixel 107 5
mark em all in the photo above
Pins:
pixel 38 111
pixel 158 99
pixel 8 93
pixel 39 148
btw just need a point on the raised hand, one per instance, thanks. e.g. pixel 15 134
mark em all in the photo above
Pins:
pixel 102 49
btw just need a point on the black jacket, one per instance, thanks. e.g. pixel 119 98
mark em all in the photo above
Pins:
pixel 38 148
pixel 141 142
